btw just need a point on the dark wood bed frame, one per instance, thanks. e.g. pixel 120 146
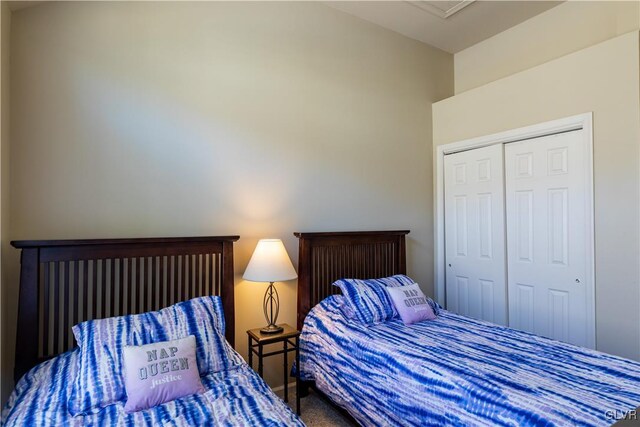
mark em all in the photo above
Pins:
pixel 64 282
pixel 324 258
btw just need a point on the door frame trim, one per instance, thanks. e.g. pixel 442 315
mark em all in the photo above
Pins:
pixel 578 122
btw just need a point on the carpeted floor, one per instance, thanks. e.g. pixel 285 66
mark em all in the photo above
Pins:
pixel 317 412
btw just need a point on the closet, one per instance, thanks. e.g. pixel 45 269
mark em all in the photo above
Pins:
pixel 517 225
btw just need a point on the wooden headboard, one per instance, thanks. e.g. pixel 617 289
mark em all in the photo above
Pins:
pixel 326 257
pixel 64 282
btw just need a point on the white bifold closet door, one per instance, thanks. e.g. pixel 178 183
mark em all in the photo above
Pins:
pixel 474 230
pixel 546 207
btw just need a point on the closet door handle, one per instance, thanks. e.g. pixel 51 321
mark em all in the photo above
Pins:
pixel 578 281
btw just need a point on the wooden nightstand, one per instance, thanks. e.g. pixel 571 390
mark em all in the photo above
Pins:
pixel 258 340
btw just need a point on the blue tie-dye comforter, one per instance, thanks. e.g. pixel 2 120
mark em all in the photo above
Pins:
pixel 235 397
pixel 458 371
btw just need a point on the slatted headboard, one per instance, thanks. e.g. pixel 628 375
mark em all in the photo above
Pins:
pixel 326 257
pixel 64 282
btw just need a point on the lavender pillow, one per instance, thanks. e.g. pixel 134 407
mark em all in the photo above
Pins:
pixel 159 372
pixel 411 304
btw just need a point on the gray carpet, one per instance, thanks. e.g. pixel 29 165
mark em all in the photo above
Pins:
pixel 316 411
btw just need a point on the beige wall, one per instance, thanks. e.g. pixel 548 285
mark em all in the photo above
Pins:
pixel 603 79
pixel 167 119
pixel 5 33
pixel 566 28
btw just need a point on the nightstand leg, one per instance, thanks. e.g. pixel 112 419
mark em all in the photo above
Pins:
pixel 298 375
pixel 286 365
pixel 260 360
pixel 250 354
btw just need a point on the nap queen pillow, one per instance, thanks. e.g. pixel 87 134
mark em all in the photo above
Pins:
pixel 159 372
pixel 411 304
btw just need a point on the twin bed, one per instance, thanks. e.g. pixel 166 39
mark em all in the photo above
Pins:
pixel 452 370
pixel 67 282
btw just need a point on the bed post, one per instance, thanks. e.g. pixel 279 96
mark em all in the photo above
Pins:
pixel 28 315
pixel 304 267
pixel 228 291
pixel 402 254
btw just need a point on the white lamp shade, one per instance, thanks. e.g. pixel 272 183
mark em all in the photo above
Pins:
pixel 270 263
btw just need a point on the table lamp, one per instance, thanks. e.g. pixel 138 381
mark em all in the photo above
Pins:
pixel 270 263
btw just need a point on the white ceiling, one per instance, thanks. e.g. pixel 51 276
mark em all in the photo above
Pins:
pixel 449 25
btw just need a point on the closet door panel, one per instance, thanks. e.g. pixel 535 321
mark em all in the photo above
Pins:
pixel 546 239
pixel 474 234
